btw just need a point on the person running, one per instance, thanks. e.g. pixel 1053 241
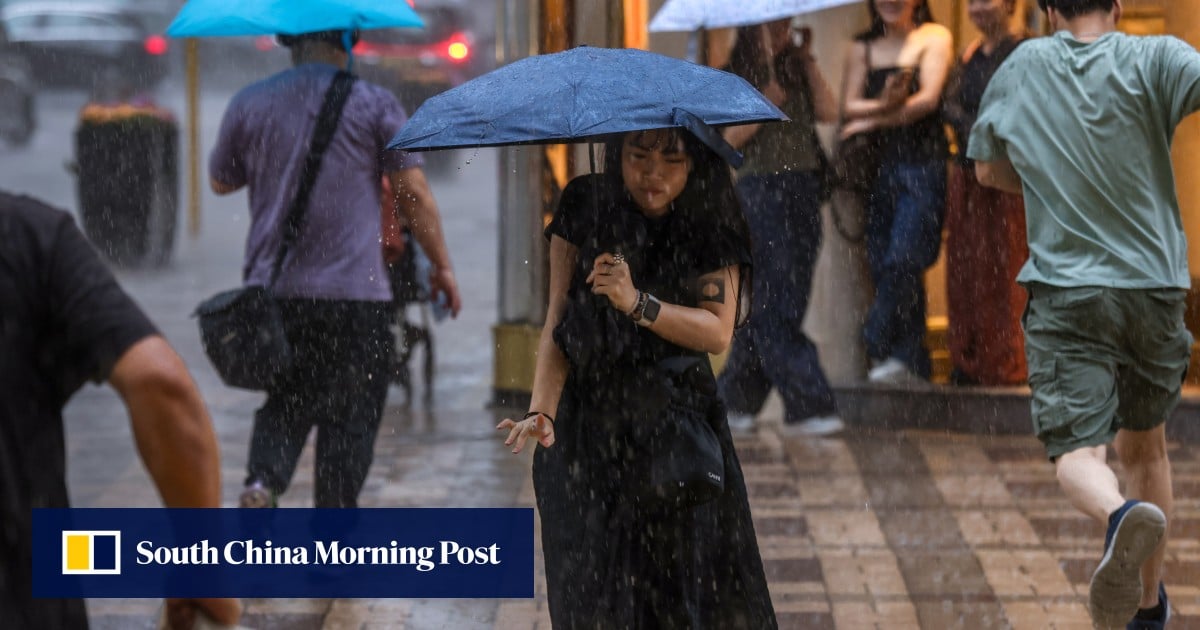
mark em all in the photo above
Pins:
pixel 1082 122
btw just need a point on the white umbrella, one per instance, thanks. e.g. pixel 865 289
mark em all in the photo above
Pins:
pixel 689 15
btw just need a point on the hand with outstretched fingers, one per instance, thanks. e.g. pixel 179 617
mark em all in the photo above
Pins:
pixel 538 426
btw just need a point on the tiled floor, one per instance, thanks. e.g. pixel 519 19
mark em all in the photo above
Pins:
pixel 883 530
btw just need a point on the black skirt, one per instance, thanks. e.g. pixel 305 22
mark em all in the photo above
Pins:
pixel 616 561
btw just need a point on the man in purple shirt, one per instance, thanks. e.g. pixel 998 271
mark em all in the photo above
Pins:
pixel 333 288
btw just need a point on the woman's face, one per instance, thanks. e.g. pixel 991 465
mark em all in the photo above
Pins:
pixel 896 12
pixel 990 16
pixel 654 171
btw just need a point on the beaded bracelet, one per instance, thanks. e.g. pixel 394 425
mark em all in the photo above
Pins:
pixel 538 413
pixel 638 304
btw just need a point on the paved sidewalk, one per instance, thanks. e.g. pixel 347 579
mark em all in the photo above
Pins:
pixel 883 530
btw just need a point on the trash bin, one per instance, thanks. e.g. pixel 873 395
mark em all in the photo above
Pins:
pixel 127 176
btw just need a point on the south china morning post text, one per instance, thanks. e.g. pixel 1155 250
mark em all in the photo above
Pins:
pixel 243 552
pixel 366 552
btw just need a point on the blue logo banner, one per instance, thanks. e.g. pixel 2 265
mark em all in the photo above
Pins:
pixel 366 552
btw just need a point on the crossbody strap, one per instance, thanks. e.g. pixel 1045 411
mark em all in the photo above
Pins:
pixel 327 123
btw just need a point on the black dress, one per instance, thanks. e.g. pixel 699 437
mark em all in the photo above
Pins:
pixel 613 558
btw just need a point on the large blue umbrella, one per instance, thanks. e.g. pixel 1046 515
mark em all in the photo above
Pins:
pixel 208 18
pixel 584 94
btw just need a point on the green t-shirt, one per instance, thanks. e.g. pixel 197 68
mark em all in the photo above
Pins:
pixel 1088 127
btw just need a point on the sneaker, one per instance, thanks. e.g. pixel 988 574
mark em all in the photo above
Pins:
pixel 1152 618
pixel 893 372
pixel 741 422
pixel 256 495
pixel 814 426
pixel 1116 590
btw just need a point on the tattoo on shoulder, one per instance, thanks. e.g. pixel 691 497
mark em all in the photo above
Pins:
pixel 712 290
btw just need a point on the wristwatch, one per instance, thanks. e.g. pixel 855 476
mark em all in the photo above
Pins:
pixel 648 311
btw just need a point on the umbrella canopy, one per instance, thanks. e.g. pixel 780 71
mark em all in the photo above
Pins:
pixel 582 94
pixel 690 15
pixel 208 18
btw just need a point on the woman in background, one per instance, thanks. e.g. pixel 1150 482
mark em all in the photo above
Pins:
pixel 896 74
pixel 985 228
pixel 781 188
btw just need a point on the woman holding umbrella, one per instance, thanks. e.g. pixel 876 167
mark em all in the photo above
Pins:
pixel 781 186
pixel 648 261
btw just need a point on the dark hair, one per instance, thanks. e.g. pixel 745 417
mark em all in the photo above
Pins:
pixel 877 29
pixel 333 38
pixel 746 58
pixel 707 204
pixel 1074 8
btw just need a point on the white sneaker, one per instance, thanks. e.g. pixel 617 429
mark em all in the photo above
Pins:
pixel 893 372
pixel 814 426
pixel 740 422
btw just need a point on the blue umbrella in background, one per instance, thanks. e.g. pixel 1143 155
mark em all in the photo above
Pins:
pixel 583 94
pixel 218 18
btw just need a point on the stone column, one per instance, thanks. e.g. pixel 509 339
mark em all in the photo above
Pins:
pixel 522 268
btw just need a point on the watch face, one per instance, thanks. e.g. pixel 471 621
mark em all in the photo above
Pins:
pixel 651 312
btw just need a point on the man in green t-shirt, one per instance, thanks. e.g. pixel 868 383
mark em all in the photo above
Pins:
pixel 1081 122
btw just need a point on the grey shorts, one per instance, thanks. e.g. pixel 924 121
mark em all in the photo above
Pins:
pixel 1101 360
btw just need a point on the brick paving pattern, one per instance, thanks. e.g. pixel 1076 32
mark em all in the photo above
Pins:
pixel 910 529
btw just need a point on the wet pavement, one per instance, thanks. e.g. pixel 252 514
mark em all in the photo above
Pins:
pixel 873 529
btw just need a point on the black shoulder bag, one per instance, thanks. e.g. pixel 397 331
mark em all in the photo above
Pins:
pixel 687 464
pixel 241 329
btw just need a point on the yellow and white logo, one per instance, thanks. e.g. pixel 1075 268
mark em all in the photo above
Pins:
pixel 91 552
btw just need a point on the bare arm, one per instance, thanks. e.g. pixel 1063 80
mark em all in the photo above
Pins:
pixel 857 105
pixel 550 370
pixel 221 188
pixel 175 439
pixel 415 201
pixel 738 136
pixel 709 327
pixel 999 174
pixel 171 426
pixel 935 68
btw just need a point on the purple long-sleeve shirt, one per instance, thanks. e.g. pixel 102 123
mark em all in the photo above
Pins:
pixel 262 144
